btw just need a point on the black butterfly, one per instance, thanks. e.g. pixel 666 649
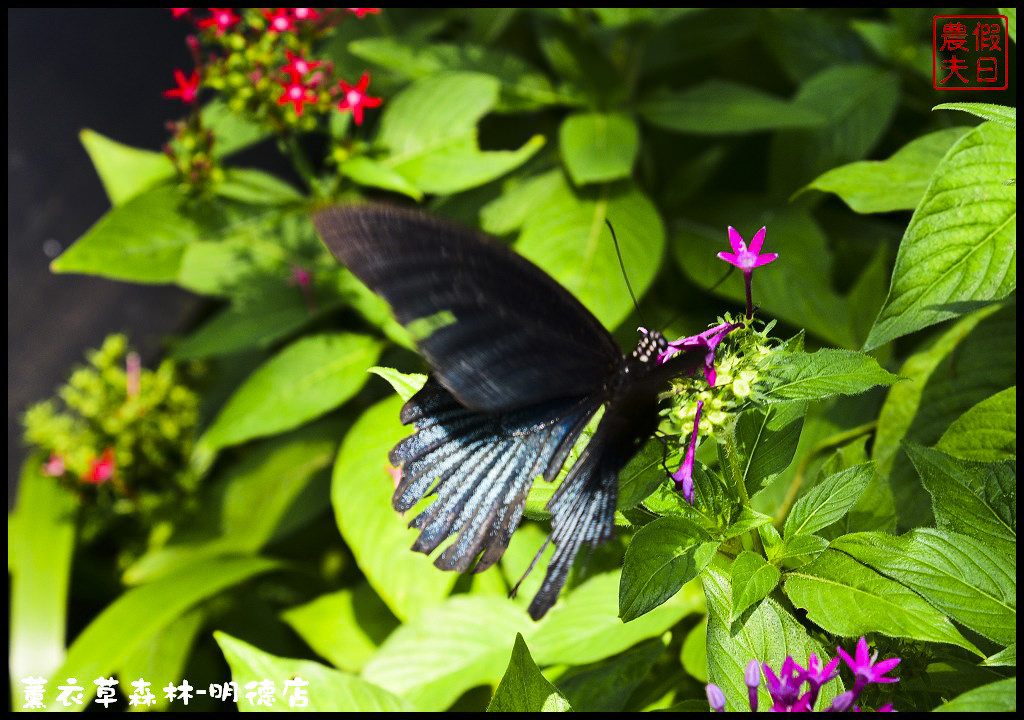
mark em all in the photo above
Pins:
pixel 518 368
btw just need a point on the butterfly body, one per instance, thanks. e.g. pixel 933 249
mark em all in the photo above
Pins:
pixel 518 369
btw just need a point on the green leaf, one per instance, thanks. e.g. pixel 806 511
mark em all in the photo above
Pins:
pixel 585 627
pixel 823 374
pixel 606 686
pixel 848 599
pixel 523 688
pixel 960 246
pixel 371 173
pixel 429 130
pixel 752 580
pixel 767 633
pixel 346 627
pixel 404 384
pixel 165 655
pixel 251 501
pixel 142 240
pixel 125 171
pixel 377 535
pixel 305 380
pixel 1005 116
pixel 1006 657
pixel 987 432
pixel 598 147
pixel 255 187
pixel 448 649
pixel 959 575
pixel 719 107
pixel 663 556
pixel 305 685
pixel 950 375
pixel 798 546
pixel 567 236
pixel 764 441
pixel 232 131
pixel 255 323
pixel 829 500
pixel 126 625
pixel 40 544
pixel 899 183
pixel 523 87
pixel 999 696
pixel 858 102
pixel 976 499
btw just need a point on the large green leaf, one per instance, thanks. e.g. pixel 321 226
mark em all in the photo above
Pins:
pixel 124 171
pixel 126 625
pixel 429 131
pixel 719 107
pixel 849 599
pixel 378 537
pixel 523 688
pixel 986 432
pixel 566 235
pixel 767 633
pixel 306 379
pixel 858 101
pixel 898 183
pixel 598 147
pixel 961 245
pixel 40 544
pixel 820 375
pixel 961 576
pixel 300 685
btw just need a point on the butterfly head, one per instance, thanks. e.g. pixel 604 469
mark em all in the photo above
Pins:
pixel 651 344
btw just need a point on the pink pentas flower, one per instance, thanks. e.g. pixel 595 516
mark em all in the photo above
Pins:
pixel 188 88
pixel 864 668
pixel 100 469
pixel 363 12
pixel 297 94
pixel 54 467
pixel 354 98
pixel 683 477
pixel 220 18
pixel 178 12
pixel 709 340
pixel 279 20
pixel 746 259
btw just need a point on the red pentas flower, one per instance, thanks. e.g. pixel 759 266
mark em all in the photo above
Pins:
pixel 354 98
pixel 363 12
pixel 298 66
pixel 297 94
pixel 280 20
pixel 187 88
pixel 178 12
pixel 100 469
pixel 220 18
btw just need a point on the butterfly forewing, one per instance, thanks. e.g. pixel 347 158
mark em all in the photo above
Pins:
pixel 497 332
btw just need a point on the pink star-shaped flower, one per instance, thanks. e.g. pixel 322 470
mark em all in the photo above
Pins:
pixel 220 18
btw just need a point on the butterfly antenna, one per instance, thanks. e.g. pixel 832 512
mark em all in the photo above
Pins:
pixel 622 265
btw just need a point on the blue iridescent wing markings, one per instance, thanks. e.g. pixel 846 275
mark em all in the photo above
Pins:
pixel 518 366
pixel 480 468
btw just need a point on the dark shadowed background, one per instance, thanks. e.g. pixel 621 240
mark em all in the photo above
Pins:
pixel 67 70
